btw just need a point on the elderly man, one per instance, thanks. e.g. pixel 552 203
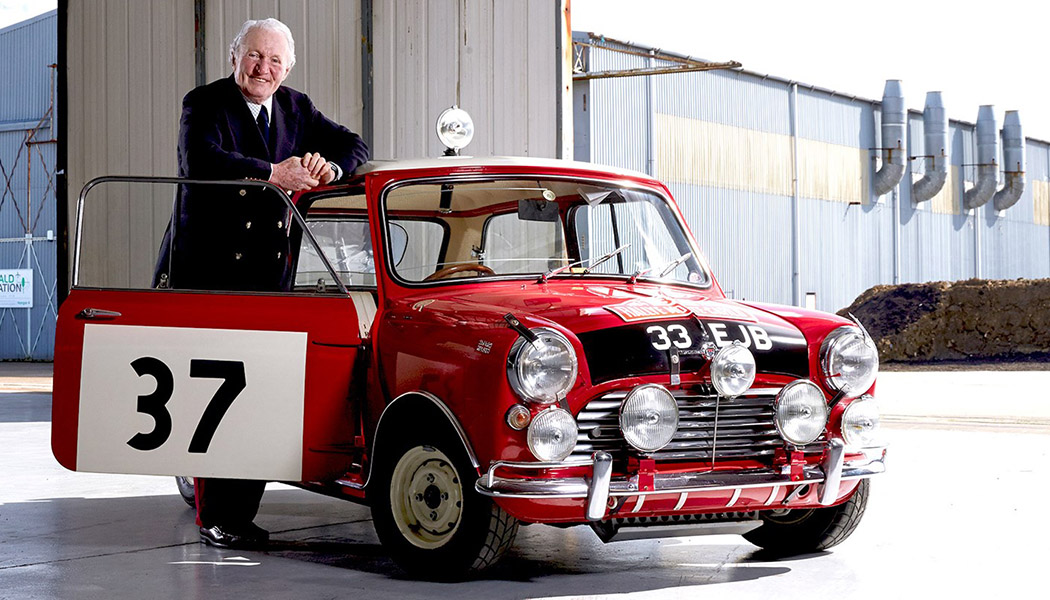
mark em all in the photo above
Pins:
pixel 249 126
pixel 246 126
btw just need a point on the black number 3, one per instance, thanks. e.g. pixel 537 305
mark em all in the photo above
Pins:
pixel 154 405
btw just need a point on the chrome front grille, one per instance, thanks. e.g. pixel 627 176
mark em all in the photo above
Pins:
pixel 745 429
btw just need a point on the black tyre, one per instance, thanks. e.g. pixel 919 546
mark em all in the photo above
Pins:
pixel 428 514
pixel 810 530
pixel 185 485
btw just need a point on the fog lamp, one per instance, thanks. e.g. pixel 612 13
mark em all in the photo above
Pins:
pixel 455 129
pixel 649 417
pixel 860 423
pixel 801 412
pixel 733 370
pixel 552 435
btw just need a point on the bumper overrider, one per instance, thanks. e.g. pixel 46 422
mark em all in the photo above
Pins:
pixel 601 486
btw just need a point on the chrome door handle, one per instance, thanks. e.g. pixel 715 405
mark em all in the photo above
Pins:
pixel 97 313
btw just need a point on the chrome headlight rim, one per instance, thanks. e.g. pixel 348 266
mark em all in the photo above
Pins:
pixel 725 354
pixel 833 343
pixel 857 440
pixel 628 433
pixel 541 420
pixel 514 363
pixel 776 411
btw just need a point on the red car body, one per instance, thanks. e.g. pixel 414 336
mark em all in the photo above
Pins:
pixel 436 355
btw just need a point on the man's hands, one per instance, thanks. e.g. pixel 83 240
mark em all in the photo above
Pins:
pixel 318 167
pixel 295 173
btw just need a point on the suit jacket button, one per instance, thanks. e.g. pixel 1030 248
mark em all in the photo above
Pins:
pixel 280 224
pixel 278 255
pixel 247 224
pixel 236 256
pixel 243 192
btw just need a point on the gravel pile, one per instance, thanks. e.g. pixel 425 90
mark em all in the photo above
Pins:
pixel 976 319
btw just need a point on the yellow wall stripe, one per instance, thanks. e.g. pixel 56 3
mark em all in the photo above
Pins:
pixel 705 153
pixel 1041 202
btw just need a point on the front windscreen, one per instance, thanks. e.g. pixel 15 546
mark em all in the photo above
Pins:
pixel 557 228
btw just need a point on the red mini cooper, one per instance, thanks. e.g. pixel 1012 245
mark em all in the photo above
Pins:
pixel 470 344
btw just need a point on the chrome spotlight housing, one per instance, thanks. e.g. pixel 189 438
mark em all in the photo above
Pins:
pixel 801 412
pixel 649 417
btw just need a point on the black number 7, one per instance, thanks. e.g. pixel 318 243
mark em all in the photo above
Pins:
pixel 232 372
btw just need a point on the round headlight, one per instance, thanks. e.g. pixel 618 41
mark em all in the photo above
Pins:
pixel 860 423
pixel 733 370
pixel 649 417
pixel 850 360
pixel 801 412
pixel 552 435
pixel 545 370
pixel 455 128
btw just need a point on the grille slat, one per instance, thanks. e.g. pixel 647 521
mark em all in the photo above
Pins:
pixel 745 428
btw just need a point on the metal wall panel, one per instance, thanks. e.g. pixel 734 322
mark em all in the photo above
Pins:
pixel 27 182
pixel 728 97
pixel 128 64
pixel 500 61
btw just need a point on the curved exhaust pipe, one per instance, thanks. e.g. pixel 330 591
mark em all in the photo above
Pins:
pixel 893 132
pixel 1013 163
pixel 935 134
pixel 987 155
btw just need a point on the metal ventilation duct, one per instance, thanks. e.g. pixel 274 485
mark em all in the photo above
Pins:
pixel 1013 162
pixel 987 154
pixel 935 134
pixel 893 124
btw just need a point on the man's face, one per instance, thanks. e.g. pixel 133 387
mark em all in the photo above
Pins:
pixel 261 64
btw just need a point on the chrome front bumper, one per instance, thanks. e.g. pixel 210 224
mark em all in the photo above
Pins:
pixel 600 486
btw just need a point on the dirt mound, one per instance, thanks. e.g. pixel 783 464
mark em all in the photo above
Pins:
pixel 965 320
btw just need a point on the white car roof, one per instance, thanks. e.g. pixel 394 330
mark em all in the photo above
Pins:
pixel 446 162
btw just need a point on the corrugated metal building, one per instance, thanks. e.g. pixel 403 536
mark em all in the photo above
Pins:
pixel 750 158
pixel 27 182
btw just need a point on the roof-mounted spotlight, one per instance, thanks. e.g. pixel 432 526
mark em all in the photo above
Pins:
pixel 455 129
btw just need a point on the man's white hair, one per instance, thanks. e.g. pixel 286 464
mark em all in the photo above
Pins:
pixel 272 24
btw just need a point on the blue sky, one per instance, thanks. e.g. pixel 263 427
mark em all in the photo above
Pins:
pixel 13 11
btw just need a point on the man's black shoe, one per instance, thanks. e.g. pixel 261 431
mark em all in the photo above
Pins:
pixel 244 537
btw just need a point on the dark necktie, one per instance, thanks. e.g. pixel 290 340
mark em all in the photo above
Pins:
pixel 264 125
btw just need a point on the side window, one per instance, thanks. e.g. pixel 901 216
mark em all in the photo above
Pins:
pixel 512 245
pixel 347 243
pixel 423 245
pixel 140 233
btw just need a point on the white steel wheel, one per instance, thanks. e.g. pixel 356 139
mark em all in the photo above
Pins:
pixel 426 497
pixel 428 514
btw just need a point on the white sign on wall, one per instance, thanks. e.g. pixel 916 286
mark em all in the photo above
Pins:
pixel 186 401
pixel 16 288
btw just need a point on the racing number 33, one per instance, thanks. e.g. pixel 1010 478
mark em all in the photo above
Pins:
pixel 155 404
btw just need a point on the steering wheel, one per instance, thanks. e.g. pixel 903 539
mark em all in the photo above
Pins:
pixel 442 273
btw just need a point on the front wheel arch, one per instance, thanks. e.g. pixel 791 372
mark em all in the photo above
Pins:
pixel 416 410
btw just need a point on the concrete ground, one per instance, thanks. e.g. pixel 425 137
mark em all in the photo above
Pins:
pixel 959 514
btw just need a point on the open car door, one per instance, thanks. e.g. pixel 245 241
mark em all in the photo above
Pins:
pixel 212 383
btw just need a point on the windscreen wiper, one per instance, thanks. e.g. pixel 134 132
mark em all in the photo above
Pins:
pixel 601 259
pixel 671 266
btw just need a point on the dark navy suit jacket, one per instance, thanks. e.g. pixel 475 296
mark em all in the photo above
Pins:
pixel 236 239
